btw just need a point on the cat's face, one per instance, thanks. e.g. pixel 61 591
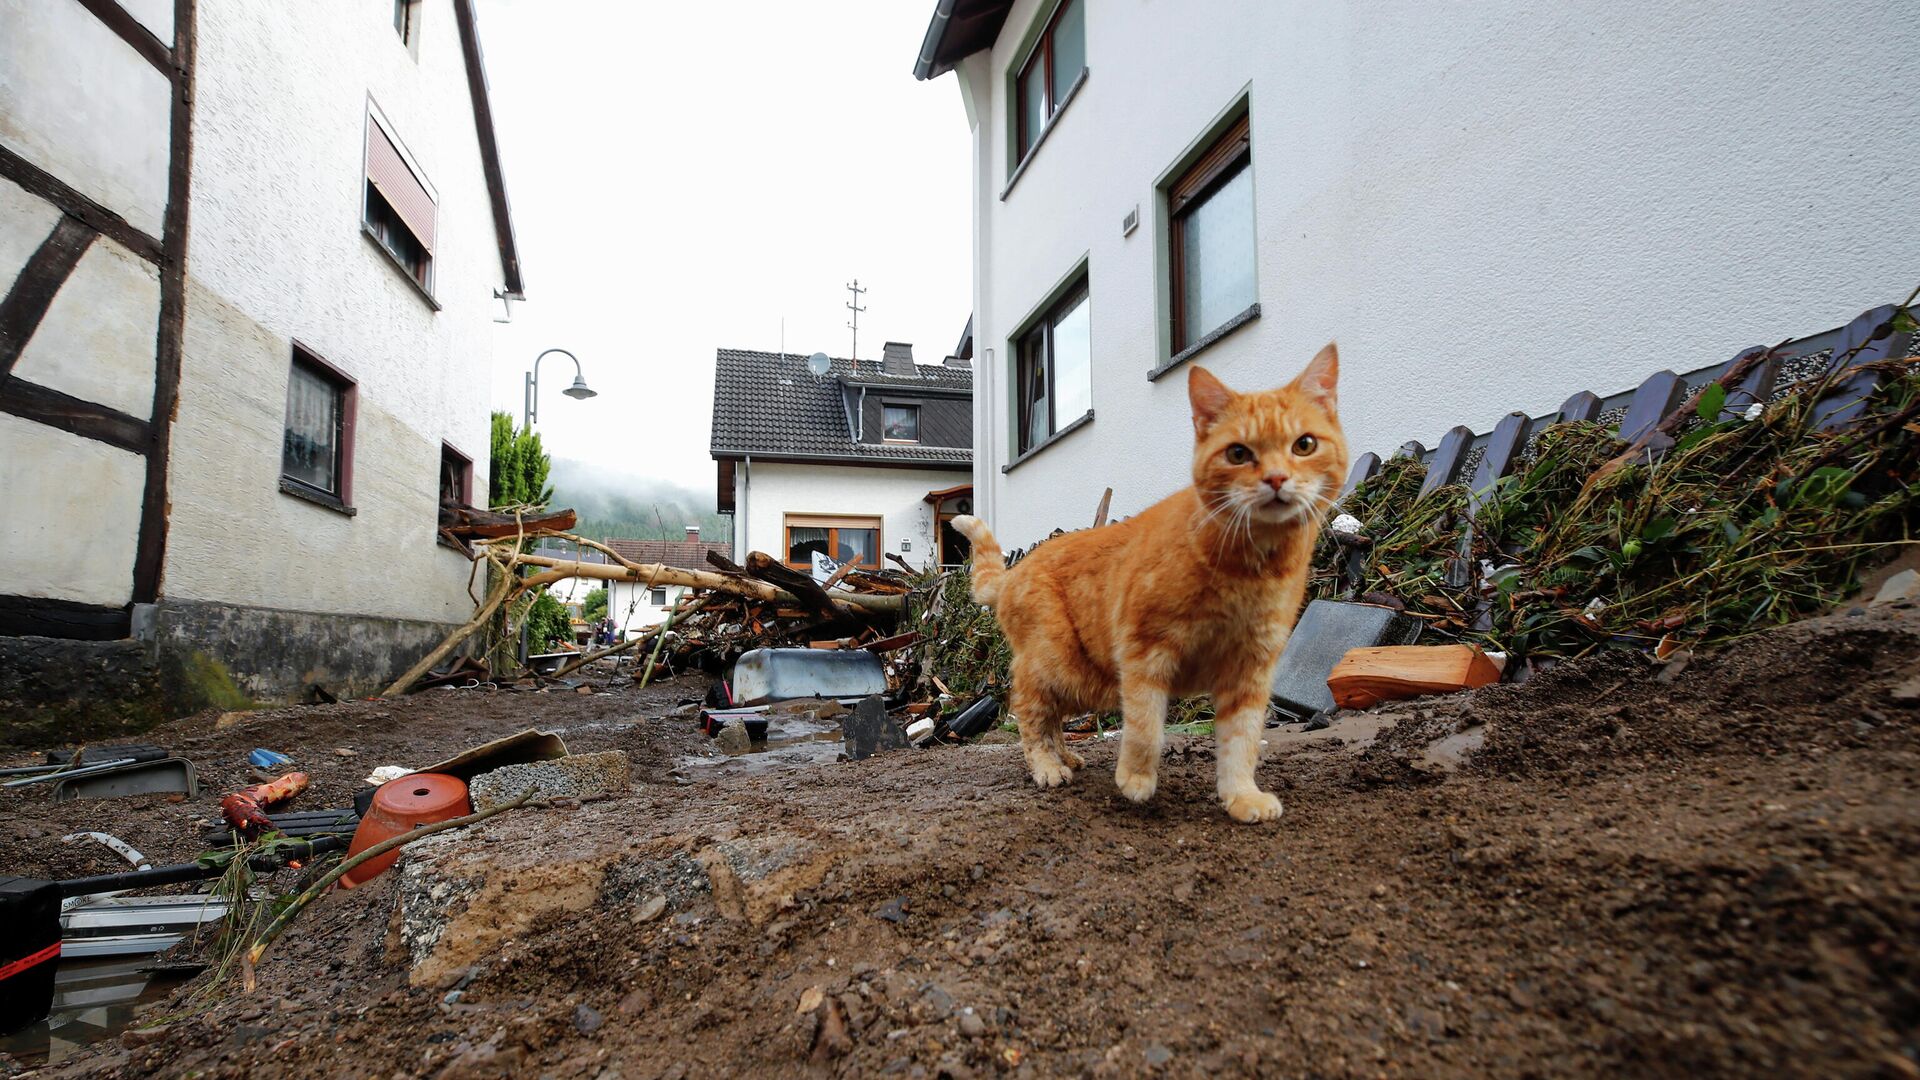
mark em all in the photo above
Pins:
pixel 1268 459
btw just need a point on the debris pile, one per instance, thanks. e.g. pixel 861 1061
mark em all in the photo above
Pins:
pixel 1744 523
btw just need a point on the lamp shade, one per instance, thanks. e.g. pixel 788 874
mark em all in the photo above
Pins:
pixel 579 389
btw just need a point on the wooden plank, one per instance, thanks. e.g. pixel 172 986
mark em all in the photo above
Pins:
pixel 1656 397
pixel 1365 467
pixel 1582 406
pixel 1866 340
pixel 1100 515
pixel 808 591
pixel 1444 468
pixel 40 617
pixel 68 413
pixel 1411 449
pixel 136 35
pixel 1756 388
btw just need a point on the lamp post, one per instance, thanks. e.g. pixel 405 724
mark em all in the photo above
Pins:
pixel 579 390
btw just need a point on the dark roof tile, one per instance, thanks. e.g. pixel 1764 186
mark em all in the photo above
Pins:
pixel 769 403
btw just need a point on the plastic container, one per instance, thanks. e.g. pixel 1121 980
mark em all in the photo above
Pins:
pixel 767 675
pixel 401 806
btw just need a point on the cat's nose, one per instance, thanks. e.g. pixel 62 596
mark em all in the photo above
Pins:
pixel 1276 481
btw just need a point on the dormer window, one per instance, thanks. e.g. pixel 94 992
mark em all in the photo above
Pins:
pixel 900 423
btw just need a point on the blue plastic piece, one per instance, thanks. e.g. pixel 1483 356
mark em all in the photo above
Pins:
pixel 268 759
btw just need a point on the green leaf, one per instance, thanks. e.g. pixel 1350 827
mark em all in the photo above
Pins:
pixel 1904 321
pixel 1658 529
pixel 1712 400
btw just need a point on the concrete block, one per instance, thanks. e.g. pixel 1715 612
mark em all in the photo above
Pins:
pixel 576 776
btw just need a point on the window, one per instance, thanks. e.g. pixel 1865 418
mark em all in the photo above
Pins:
pixel 842 539
pixel 400 213
pixel 659 598
pixel 456 477
pixel 1210 210
pixel 404 14
pixel 1055 361
pixel 316 450
pixel 1049 72
pixel 900 423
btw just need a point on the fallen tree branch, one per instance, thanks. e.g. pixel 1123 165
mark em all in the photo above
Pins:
pixel 808 591
pixel 441 651
pixel 299 903
pixel 661 574
pixel 610 650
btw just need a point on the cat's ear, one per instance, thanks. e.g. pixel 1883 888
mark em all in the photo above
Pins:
pixel 1210 398
pixel 1319 379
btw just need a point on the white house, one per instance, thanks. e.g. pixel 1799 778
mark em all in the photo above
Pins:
pixel 856 461
pixel 251 256
pixel 636 605
pixel 1491 206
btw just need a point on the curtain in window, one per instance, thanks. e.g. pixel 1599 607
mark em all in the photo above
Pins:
pixel 859 546
pixel 802 541
pixel 311 450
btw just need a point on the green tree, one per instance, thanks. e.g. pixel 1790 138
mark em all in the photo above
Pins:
pixel 594 607
pixel 547 623
pixel 518 473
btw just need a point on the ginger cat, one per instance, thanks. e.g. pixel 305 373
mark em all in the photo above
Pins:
pixel 1195 595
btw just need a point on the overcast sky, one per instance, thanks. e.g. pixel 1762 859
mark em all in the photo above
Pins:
pixel 685 175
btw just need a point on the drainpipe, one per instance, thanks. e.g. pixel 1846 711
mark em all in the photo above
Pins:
pixel 740 511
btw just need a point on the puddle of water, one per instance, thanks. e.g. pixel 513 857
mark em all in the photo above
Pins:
pixel 792 739
pixel 93 1001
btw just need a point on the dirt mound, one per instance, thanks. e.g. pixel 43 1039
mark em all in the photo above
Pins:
pixel 1715 875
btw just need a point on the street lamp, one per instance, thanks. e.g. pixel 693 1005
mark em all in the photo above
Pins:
pixel 578 391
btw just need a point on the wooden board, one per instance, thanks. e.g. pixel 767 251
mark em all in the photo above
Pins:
pixel 1369 676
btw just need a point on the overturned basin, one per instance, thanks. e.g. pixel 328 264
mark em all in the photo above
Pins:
pixel 768 675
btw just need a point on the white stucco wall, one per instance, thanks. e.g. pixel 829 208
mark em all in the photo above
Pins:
pixel 1489 205
pixel 632 609
pixel 83 105
pixel 72 517
pixel 25 222
pixel 276 253
pixel 766 493
pixel 97 338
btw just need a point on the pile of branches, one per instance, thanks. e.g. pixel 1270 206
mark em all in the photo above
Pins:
pixel 852 609
pixel 1741 524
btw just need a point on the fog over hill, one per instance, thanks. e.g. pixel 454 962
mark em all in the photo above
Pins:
pixel 613 502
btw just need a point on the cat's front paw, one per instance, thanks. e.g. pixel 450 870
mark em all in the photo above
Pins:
pixel 1137 785
pixel 1254 806
pixel 1049 772
pixel 1070 759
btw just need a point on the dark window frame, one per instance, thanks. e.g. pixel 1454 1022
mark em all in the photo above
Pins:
pixel 812 521
pixel 346 409
pixel 383 223
pixel 463 465
pixel 1226 157
pixel 404 14
pixel 1041 53
pixel 912 407
pixel 1040 332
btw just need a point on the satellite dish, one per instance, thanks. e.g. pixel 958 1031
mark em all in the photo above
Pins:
pixel 819 363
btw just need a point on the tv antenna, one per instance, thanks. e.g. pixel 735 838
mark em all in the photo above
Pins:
pixel 855 307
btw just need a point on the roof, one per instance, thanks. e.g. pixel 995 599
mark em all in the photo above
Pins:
pixel 959 29
pixel 770 404
pixel 684 554
pixel 489 149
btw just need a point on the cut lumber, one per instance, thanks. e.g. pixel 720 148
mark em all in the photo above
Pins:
pixel 1369 676
pixel 471 523
pixel 774 572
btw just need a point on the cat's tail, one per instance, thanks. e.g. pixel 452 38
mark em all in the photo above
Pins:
pixel 989 562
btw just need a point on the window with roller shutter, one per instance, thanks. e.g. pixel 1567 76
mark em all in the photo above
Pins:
pixel 400 214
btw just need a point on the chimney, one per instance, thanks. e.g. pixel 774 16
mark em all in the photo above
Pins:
pixel 897 359
pixel 959 361
pixel 693 533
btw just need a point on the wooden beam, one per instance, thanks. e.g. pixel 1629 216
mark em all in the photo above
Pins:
pixel 43 405
pixel 1444 467
pixel 40 182
pixel 137 36
pixel 38 283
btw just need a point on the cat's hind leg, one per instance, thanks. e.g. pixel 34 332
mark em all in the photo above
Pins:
pixel 1039 720
pixel 1240 715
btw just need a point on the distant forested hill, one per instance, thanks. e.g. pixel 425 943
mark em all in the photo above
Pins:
pixel 612 502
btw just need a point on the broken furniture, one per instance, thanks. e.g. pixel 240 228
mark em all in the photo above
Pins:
pixel 768 675
pixel 1326 632
pixel 1367 677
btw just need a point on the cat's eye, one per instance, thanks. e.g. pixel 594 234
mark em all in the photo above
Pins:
pixel 1238 454
pixel 1305 444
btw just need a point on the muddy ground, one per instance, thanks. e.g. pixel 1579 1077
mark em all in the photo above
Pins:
pixel 1717 874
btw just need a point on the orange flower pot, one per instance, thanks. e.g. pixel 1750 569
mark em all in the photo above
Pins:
pixel 401 806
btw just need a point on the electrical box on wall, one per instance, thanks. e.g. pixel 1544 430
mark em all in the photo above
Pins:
pixel 1130 222
pixel 906 545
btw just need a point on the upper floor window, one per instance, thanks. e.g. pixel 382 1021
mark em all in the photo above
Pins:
pixel 1049 71
pixel 1211 242
pixel 406 15
pixel 900 423
pixel 316 447
pixel 400 213
pixel 1054 362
